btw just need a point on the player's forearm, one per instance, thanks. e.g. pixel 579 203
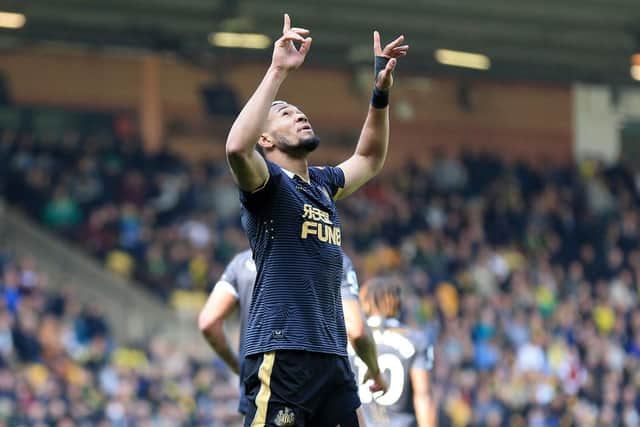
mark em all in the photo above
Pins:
pixel 247 127
pixel 374 139
pixel 425 411
pixel 365 348
pixel 217 340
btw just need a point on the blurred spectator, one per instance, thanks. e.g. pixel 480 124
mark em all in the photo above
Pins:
pixel 62 212
pixel 60 366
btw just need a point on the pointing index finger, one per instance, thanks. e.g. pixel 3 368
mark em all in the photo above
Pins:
pixel 287 23
pixel 377 49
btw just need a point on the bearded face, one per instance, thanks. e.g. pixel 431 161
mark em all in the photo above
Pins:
pixel 291 131
pixel 301 149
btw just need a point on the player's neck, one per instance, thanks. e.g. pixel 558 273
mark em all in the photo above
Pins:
pixel 298 166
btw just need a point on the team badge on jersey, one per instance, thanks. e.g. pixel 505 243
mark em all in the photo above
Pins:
pixel 285 418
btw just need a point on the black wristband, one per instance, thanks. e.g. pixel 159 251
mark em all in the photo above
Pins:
pixel 380 98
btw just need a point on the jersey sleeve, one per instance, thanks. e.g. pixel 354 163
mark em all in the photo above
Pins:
pixel 424 357
pixel 254 200
pixel 229 279
pixel 349 287
pixel 331 177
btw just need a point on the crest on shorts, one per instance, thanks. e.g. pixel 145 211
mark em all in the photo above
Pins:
pixel 285 418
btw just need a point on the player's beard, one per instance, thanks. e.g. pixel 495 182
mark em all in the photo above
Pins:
pixel 299 150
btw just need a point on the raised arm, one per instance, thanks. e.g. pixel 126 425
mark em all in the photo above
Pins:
pixel 247 165
pixel 371 150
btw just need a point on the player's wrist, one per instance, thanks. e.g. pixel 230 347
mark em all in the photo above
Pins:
pixel 277 72
pixel 380 98
pixel 374 371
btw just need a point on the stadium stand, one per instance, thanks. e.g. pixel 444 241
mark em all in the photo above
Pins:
pixel 525 276
pixel 61 365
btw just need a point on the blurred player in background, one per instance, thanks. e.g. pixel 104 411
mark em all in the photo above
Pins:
pixel 405 358
pixel 296 364
pixel 234 289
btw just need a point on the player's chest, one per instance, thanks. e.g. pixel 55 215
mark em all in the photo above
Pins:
pixel 312 213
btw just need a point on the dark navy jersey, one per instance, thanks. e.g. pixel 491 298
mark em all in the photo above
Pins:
pixel 295 235
pixel 400 350
pixel 240 275
pixel 238 279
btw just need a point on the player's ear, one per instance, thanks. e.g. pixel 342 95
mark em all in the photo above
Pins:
pixel 266 141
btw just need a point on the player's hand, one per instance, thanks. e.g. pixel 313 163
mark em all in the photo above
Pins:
pixel 285 54
pixel 379 383
pixel 392 51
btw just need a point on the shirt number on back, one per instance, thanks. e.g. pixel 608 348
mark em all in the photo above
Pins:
pixel 390 364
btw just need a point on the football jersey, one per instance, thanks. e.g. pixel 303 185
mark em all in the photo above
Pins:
pixel 238 279
pixel 294 231
pixel 349 287
pixel 400 350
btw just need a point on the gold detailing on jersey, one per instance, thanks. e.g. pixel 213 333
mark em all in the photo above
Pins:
pixel 315 214
pixel 319 224
pixel 324 232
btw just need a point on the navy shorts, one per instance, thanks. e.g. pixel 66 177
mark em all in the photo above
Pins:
pixel 288 388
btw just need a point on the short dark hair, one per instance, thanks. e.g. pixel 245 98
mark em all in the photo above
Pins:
pixel 383 295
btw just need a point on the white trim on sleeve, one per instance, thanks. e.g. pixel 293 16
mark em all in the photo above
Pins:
pixel 226 286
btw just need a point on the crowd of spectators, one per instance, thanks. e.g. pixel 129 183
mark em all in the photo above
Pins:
pixel 60 366
pixel 525 276
pixel 168 224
